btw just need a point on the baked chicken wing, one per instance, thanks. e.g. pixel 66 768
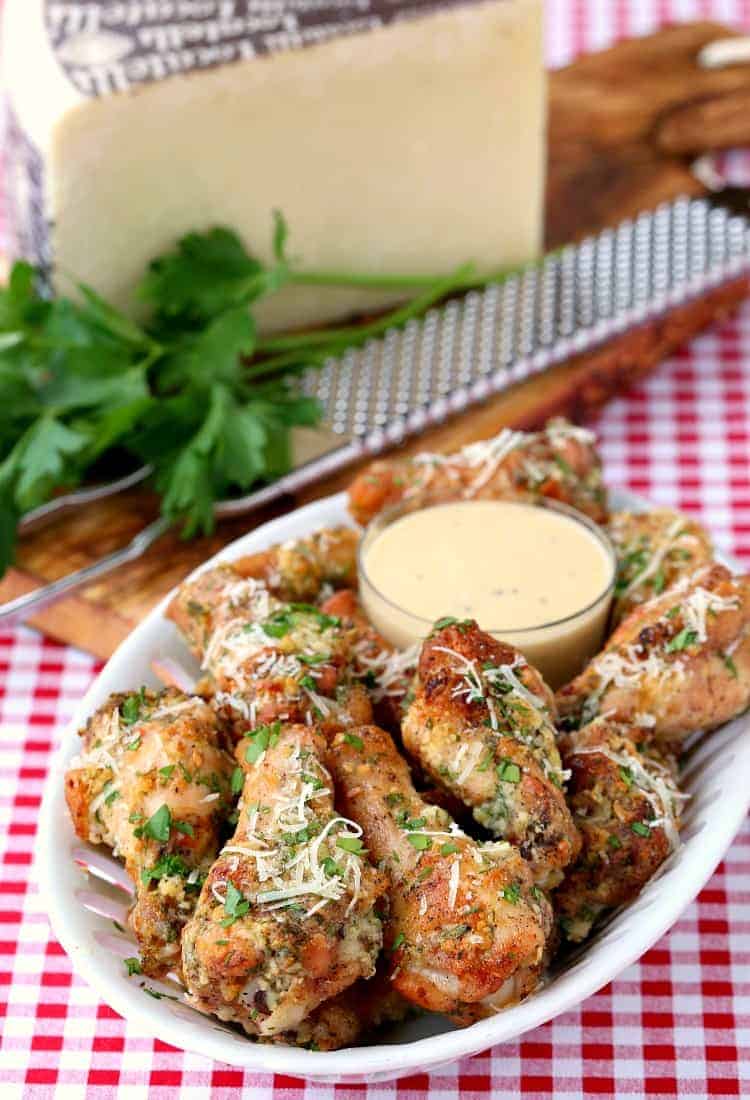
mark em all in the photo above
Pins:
pixel 152 782
pixel 654 550
pixel 468 930
pixel 287 917
pixel 301 568
pixel 627 808
pixel 265 660
pixel 677 664
pixel 481 724
pixel 559 462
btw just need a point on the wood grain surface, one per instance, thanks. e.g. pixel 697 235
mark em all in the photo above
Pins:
pixel 624 126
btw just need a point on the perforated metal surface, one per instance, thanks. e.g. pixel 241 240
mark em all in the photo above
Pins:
pixel 505 333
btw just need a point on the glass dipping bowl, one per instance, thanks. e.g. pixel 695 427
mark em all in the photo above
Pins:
pixel 559 649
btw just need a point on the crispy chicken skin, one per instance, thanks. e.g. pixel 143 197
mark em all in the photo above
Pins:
pixel 654 550
pixel 679 663
pixel 386 672
pixel 295 571
pixel 152 783
pixel 468 929
pixel 266 660
pixel 626 806
pixel 363 1008
pixel 559 462
pixel 301 568
pixel 287 916
pixel 481 724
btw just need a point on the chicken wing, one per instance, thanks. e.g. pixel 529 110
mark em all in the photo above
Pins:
pixel 265 660
pixel 654 550
pixel 481 724
pixel 153 783
pixel 559 462
pixel 301 568
pixel 677 664
pixel 468 929
pixel 287 917
pixel 627 807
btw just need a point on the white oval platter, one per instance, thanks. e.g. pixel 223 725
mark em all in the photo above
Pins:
pixel 715 775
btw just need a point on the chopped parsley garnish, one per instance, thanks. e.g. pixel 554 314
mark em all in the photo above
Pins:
pixel 184 827
pixel 448 849
pixel 512 893
pixel 166 773
pixel 509 772
pixel 456 932
pixel 484 765
pixel 307 681
pixel 640 828
pixel 284 620
pixel 313 658
pixel 658 581
pixel 133 965
pixel 168 866
pixel 681 641
pixel 351 844
pixel 425 874
pixel 730 665
pixel 158 825
pixel 394 797
pixel 614 842
pixel 332 868
pixel 238 780
pixel 673 611
pixel 419 841
pixel 134 744
pixel 410 824
pixel 447 620
pixel 130 708
pixel 262 738
pixel 355 741
pixel 627 776
pixel 236 905
pixel 399 940
pixel 313 780
pixel 111 797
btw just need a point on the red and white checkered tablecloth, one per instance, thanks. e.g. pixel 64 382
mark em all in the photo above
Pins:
pixel 675 1024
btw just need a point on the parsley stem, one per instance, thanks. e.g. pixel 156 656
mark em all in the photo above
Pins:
pixel 330 341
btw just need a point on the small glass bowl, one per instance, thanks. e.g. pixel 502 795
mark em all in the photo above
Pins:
pixel 559 649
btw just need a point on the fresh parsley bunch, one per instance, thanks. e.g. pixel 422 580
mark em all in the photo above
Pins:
pixel 192 390
pixel 78 379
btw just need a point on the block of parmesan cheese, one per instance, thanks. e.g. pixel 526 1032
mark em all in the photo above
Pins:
pixel 400 136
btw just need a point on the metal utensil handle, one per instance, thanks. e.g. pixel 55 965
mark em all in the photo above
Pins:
pixel 69 502
pixel 21 608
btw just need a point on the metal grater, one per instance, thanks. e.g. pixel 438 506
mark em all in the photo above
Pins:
pixel 493 338
pixel 461 353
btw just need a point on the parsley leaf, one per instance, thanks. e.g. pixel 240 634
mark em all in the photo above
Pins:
pixel 236 905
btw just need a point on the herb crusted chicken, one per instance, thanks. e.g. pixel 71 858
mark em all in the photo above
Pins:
pixel 560 463
pixel 481 724
pixel 468 931
pixel 288 916
pixel 152 782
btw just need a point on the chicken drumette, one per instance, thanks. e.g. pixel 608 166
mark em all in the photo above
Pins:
pixel 265 660
pixel 468 930
pixel 654 550
pixel 481 724
pixel 153 783
pixel 301 568
pixel 627 808
pixel 677 664
pixel 287 917
pixel 559 462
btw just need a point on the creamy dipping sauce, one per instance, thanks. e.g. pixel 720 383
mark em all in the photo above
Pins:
pixel 534 576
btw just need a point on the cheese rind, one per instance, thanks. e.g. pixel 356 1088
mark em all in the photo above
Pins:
pixel 413 147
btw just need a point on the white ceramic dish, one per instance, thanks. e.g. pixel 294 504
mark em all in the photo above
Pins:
pixel 715 775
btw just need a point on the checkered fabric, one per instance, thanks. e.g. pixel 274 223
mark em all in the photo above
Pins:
pixel 675 1024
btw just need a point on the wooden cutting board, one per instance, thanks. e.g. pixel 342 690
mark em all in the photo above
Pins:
pixel 624 127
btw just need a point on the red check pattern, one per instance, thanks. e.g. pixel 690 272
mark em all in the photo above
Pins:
pixel 675 1024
